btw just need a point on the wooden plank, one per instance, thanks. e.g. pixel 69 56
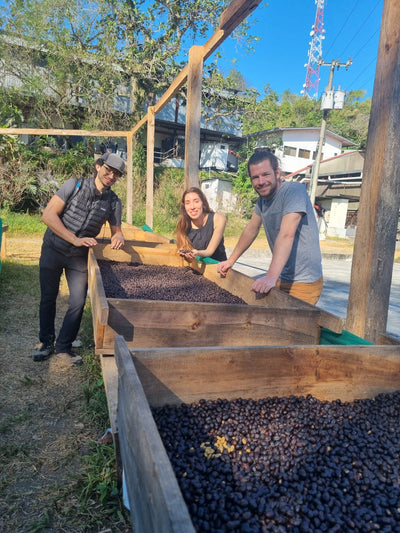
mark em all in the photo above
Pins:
pixel 174 375
pixel 175 86
pixel 110 376
pixel 158 323
pixel 235 13
pixel 63 132
pixel 133 233
pixel 96 290
pixel 3 249
pixel 193 117
pixel 139 124
pixel 235 282
pixel 150 253
pixel 151 125
pixel 375 240
pixel 300 324
pixel 240 285
pixel 129 178
pixel 98 301
pixel 155 499
pixel 388 339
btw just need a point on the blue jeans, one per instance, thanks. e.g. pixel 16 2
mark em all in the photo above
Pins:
pixel 52 264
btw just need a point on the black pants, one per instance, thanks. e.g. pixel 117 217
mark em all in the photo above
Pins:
pixel 52 264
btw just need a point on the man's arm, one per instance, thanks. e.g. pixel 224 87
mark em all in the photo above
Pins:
pixel 246 239
pixel 51 217
pixel 117 237
pixel 282 249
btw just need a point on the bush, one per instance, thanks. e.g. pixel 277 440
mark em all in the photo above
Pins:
pixel 169 187
pixel 243 187
pixel 30 175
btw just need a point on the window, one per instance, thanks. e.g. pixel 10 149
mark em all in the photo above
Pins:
pixel 289 150
pixel 304 153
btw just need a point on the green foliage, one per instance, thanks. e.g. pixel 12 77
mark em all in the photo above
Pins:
pixel 139 167
pixel 294 111
pixel 98 482
pixel 169 187
pixel 353 120
pixel 22 224
pixel 10 112
pixel 30 175
pixel 243 187
pixel 143 40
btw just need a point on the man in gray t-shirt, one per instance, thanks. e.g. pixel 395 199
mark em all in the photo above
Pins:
pixel 285 211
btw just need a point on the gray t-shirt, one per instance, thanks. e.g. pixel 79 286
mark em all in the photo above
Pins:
pixel 304 263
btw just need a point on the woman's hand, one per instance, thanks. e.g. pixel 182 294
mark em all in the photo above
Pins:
pixel 189 255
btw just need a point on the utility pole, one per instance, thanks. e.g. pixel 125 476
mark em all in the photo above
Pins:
pixel 330 105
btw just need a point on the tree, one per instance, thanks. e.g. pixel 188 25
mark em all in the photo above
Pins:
pixel 224 98
pixel 92 55
pixel 294 111
pixel 261 114
pixel 352 121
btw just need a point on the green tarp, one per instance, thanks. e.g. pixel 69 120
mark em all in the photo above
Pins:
pixel 329 337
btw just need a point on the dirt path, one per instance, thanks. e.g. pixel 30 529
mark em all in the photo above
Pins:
pixel 44 437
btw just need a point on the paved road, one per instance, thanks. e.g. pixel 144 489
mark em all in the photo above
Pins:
pixel 337 273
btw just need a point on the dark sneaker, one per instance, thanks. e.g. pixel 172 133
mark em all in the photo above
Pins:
pixel 70 357
pixel 43 352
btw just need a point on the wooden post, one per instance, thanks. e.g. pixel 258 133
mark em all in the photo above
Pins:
pixel 375 241
pixel 3 248
pixel 129 178
pixel 151 122
pixel 193 117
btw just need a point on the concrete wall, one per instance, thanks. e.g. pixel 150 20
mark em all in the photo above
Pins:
pixel 219 194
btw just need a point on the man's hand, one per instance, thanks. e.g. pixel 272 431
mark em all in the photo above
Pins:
pixel 224 266
pixel 89 242
pixel 263 285
pixel 117 242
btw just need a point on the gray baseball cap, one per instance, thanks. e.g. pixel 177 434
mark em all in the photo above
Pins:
pixel 114 161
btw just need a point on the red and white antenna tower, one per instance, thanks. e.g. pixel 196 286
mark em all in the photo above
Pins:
pixel 315 52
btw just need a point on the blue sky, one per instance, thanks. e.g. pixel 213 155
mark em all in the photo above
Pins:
pixel 352 29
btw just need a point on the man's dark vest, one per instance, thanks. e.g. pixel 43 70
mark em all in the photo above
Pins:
pixel 84 215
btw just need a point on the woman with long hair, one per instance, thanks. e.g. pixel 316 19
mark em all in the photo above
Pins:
pixel 200 231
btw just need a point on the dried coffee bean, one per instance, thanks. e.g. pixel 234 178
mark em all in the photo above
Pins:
pixel 160 282
pixel 325 466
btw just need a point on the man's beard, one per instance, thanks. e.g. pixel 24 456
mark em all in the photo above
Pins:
pixel 271 193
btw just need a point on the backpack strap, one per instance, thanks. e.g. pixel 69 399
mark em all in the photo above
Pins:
pixel 77 188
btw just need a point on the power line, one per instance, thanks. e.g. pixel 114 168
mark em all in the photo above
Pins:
pixel 365 44
pixel 362 72
pixel 341 29
pixel 354 34
pixel 360 28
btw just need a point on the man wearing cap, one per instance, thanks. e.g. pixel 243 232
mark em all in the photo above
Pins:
pixel 74 216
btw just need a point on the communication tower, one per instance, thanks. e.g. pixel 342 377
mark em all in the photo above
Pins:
pixel 315 52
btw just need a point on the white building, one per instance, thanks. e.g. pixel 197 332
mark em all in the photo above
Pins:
pixel 219 194
pixel 297 147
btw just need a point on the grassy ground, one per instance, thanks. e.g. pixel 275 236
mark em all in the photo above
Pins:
pixel 55 476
